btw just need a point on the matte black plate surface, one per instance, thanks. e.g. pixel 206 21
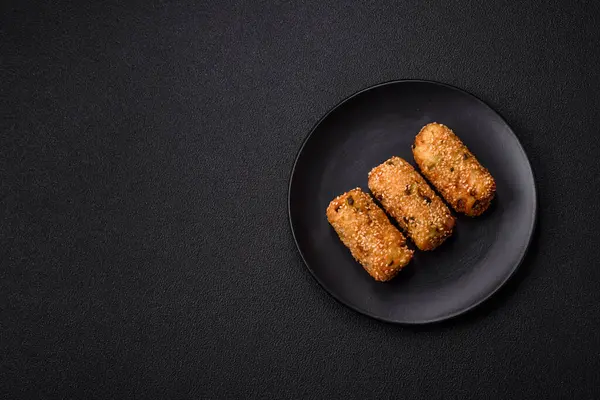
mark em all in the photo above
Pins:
pixel 373 125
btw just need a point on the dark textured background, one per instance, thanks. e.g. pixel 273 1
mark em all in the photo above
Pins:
pixel 144 159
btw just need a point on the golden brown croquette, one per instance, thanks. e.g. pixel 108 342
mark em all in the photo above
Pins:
pixel 408 198
pixel 449 165
pixel 372 239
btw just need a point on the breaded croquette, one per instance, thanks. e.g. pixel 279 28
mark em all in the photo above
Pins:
pixel 408 198
pixel 372 239
pixel 449 165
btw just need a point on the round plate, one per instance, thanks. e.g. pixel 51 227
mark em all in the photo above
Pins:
pixel 363 131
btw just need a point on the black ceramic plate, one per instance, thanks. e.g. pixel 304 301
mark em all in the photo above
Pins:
pixel 363 131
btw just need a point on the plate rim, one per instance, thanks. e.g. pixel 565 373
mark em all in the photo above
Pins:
pixel 451 315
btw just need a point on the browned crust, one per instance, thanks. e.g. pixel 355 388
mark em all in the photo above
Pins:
pixel 372 239
pixel 449 165
pixel 408 198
